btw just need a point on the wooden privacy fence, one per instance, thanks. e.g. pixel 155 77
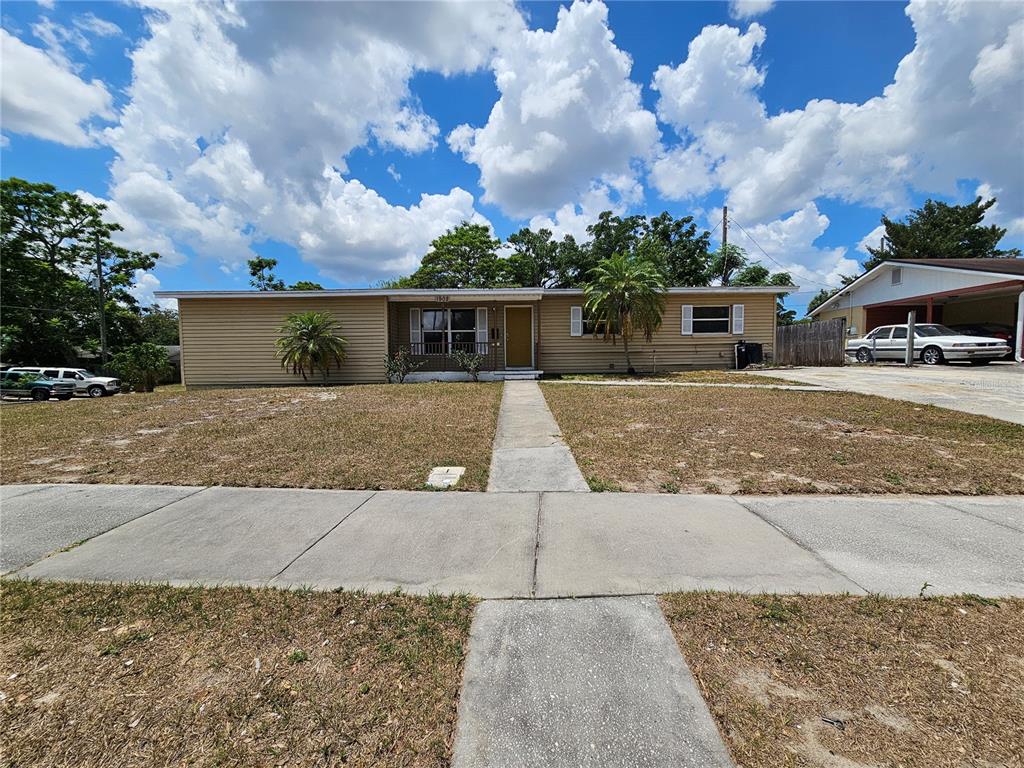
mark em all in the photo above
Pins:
pixel 820 343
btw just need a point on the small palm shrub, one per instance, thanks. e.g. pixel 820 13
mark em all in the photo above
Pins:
pixel 400 365
pixel 310 341
pixel 470 362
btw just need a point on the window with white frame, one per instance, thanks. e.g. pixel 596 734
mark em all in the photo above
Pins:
pixel 443 329
pixel 897 276
pixel 710 320
pixel 595 327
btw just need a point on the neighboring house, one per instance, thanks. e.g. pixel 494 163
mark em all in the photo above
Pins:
pixel 947 291
pixel 228 337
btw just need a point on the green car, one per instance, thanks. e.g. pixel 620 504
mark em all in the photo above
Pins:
pixel 34 385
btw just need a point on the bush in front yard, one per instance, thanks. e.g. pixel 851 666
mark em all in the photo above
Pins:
pixel 141 365
pixel 400 365
pixel 470 362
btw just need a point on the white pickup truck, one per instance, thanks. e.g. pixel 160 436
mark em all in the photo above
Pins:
pixel 85 383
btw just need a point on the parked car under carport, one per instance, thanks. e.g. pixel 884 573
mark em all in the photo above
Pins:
pixel 933 345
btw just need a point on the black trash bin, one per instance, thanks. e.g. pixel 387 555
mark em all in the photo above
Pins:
pixel 741 356
pixel 755 353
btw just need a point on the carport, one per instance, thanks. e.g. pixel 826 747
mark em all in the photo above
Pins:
pixel 947 291
pixel 996 303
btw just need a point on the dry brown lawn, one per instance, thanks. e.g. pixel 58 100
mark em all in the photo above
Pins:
pixel 709 376
pixel 718 440
pixel 858 682
pixel 100 675
pixel 373 436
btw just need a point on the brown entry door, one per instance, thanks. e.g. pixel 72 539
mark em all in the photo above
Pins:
pixel 518 337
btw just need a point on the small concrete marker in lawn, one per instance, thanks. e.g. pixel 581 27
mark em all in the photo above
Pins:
pixel 445 477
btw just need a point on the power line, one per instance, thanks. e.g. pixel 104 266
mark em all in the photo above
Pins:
pixel 47 309
pixel 762 250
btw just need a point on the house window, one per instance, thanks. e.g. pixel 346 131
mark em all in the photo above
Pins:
pixel 443 329
pixel 463 328
pixel 710 320
pixel 435 328
pixel 897 276
pixel 595 327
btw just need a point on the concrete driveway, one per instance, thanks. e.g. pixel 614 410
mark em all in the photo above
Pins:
pixel 995 390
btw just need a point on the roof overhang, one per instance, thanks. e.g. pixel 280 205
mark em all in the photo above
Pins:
pixel 456 294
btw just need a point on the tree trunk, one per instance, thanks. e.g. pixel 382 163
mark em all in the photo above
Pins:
pixel 625 347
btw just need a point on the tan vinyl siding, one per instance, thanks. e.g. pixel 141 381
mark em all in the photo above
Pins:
pixel 231 342
pixel 669 350
pixel 855 318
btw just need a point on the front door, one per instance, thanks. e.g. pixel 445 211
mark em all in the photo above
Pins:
pixel 518 337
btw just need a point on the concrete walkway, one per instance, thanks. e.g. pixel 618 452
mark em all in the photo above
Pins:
pixel 995 390
pixel 529 454
pixel 514 545
pixel 580 683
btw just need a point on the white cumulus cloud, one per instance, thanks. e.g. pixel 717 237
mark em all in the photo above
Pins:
pixel 240 119
pixel 745 9
pixel 568 116
pixel 42 97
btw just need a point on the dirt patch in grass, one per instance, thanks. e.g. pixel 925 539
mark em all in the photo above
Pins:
pixel 697 439
pixel 858 682
pixel 139 676
pixel 710 376
pixel 373 436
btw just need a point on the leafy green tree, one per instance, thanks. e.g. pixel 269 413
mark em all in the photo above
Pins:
pixel 937 230
pixel 684 250
pixel 261 270
pixel 141 365
pixel 48 275
pixel 310 341
pixel 159 325
pixel 726 262
pixel 463 257
pixel 305 285
pixel 626 295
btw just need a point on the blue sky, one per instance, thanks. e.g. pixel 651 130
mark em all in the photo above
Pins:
pixel 341 138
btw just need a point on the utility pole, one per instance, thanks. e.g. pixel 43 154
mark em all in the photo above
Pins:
pixel 725 242
pixel 103 304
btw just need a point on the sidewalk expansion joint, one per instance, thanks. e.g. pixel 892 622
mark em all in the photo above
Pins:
pixel 320 538
pixel 975 515
pixel 536 545
pixel 104 533
pixel 804 547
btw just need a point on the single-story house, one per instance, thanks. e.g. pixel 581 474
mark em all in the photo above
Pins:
pixel 228 337
pixel 947 291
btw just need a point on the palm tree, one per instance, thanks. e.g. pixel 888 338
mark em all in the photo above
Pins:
pixel 626 295
pixel 310 341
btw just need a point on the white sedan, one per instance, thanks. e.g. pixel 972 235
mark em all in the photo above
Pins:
pixel 933 345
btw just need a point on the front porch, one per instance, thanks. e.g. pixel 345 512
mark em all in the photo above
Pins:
pixel 437 332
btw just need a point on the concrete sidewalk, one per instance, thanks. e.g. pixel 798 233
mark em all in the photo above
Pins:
pixel 516 545
pixel 529 454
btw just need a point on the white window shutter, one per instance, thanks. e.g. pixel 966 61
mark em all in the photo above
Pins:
pixel 481 330
pixel 686 328
pixel 737 319
pixel 575 321
pixel 415 329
